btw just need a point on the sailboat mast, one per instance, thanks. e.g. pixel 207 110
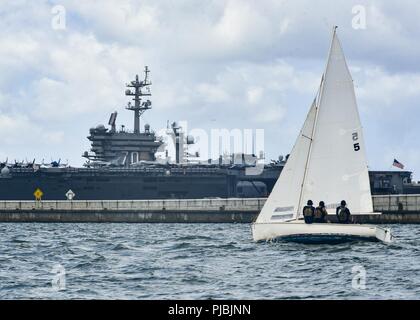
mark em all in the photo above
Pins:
pixel 307 158
pixel 317 103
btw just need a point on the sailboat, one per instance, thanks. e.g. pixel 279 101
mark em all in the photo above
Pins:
pixel 327 163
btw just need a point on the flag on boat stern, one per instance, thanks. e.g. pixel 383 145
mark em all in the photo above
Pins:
pixel 398 164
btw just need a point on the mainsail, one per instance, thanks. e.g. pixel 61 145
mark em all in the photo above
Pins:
pixel 328 160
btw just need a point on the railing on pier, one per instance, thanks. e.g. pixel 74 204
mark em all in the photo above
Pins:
pixel 245 205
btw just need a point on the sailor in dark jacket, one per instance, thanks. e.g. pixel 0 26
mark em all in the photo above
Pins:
pixel 320 213
pixel 343 213
pixel 309 212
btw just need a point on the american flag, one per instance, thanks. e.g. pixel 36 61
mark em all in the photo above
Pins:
pixel 398 164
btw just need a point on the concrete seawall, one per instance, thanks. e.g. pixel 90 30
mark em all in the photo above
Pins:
pixel 170 211
pixel 394 208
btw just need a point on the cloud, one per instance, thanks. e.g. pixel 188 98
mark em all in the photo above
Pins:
pixel 212 93
pixel 241 26
pixel 380 89
pixel 254 95
pixel 19 131
pixel 271 114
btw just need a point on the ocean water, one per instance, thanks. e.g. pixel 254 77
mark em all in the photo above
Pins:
pixel 198 261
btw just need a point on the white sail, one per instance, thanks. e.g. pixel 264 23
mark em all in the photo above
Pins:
pixel 283 201
pixel 328 160
pixel 337 167
pixel 328 163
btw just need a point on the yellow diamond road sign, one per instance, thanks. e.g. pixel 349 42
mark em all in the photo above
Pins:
pixel 38 194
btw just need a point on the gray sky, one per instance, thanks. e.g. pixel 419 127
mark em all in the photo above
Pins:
pixel 216 64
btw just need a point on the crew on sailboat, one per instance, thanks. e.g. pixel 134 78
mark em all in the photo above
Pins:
pixel 309 212
pixel 343 213
pixel 320 213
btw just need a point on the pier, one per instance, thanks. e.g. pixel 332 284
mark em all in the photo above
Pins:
pixel 394 208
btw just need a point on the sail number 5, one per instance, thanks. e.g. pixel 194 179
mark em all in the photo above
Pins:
pixel 356 144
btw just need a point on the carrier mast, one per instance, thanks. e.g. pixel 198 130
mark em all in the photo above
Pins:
pixel 124 148
pixel 139 107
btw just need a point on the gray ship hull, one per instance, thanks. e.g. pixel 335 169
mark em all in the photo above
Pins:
pixel 101 184
pixel 147 183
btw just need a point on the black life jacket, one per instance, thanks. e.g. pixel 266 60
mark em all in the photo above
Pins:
pixel 308 211
pixel 319 212
pixel 343 214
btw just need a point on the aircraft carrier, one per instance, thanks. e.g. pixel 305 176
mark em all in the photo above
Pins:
pixel 122 165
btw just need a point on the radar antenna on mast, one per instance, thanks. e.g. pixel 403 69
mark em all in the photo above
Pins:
pixel 139 106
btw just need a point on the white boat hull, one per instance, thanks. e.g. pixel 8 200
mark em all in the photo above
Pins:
pixel 299 231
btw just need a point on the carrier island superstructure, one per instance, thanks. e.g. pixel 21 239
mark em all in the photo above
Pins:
pixel 122 165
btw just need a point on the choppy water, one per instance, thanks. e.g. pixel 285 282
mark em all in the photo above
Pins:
pixel 197 261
